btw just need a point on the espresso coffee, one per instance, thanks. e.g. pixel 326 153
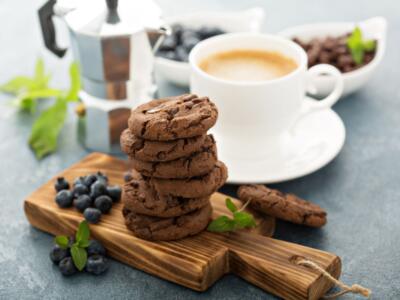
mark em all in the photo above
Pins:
pixel 248 65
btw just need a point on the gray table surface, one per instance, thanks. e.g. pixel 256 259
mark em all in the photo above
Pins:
pixel 360 188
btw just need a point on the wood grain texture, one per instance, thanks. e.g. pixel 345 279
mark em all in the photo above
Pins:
pixel 195 262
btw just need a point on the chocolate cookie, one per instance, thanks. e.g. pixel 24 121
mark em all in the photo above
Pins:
pixel 140 198
pixel 173 118
pixel 194 187
pixel 196 164
pixel 167 229
pixel 147 150
pixel 282 206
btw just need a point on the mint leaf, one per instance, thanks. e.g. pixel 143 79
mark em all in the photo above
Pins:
pixel 369 45
pixel 244 220
pixel 83 244
pixel 75 79
pixel 41 79
pixel 354 43
pixel 230 205
pixel 358 54
pixel 39 69
pixel 47 127
pixel 79 256
pixel 62 241
pixel 221 224
pixel 83 233
pixel 26 104
pixel 27 100
pixel 42 93
pixel 17 85
pixel 357 34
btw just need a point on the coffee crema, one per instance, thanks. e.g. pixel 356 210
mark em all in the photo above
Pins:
pixel 248 65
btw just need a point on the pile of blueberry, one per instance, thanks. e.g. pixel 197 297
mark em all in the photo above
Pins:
pixel 96 262
pixel 178 45
pixel 90 194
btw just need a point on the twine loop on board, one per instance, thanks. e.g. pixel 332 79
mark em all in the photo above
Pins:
pixel 355 288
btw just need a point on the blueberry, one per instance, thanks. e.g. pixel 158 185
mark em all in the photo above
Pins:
pixel 96 264
pixel 82 202
pixel 61 184
pixel 206 32
pixel 80 189
pixel 167 54
pixel 64 198
pixel 114 192
pixel 190 42
pixel 188 34
pixel 177 30
pixel 169 43
pixel 71 241
pixel 79 180
pixel 92 215
pixel 97 189
pixel 102 177
pixel 57 254
pixel 181 54
pixel 128 176
pixel 89 180
pixel 95 247
pixel 103 203
pixel 67 266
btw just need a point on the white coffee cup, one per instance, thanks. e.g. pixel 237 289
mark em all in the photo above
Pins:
pixel 255 117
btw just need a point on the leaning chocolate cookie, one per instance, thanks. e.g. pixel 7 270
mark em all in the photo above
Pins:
pixel 173 118
pixel 139 197
pixel 283 206
pixel 196 164
pixel 155 151
pixel 194 187
pixel 167 229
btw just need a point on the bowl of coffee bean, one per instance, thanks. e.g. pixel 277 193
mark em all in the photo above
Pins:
pixel 355 49
pixel 189 29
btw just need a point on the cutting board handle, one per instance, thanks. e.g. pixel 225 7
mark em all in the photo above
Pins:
pixel 273 265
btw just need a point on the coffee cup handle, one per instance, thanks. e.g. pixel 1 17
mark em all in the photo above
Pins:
pixel 328 101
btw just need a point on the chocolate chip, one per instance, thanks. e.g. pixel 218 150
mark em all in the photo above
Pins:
pixel 198 100
pixel 134 184
pixel 173 111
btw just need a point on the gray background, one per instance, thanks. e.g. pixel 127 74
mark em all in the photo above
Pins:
pixel 359 189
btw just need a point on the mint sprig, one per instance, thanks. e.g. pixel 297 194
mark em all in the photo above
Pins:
pixel 358 46
pixel 29 90
pixel 78 248
pixel 240 220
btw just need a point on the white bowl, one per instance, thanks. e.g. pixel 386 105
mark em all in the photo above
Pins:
pixel 374 28
pixel 249 20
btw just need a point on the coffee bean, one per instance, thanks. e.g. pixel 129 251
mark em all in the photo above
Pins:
pixel 334 51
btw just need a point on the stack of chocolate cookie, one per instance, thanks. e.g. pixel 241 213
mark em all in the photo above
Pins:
pixel 175 167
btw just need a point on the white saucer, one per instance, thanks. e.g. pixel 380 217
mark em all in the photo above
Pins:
pixel 314 142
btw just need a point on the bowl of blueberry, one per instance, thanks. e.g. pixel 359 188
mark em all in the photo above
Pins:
pixel 356 49
pixel 189 29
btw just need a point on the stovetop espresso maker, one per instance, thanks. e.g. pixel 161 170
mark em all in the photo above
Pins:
pixel 114 43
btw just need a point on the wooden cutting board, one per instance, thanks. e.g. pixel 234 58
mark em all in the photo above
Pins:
pixel 195 262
